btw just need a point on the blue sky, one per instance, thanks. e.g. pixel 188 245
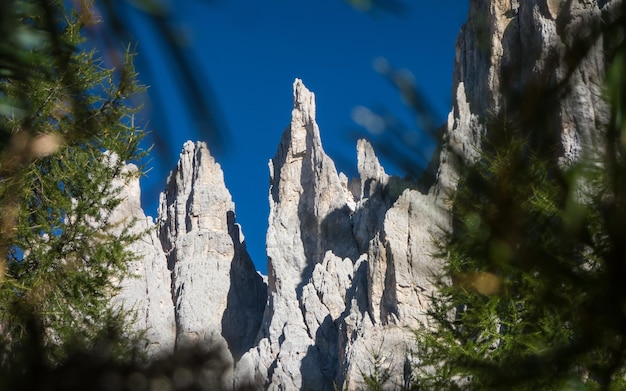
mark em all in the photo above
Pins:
pixel 251 51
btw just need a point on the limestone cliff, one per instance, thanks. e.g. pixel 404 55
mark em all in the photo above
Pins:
pixel 218 296
pixel 350 261
pixel 348 264
pixel 147 293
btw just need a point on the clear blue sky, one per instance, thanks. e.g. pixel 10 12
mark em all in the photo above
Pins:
pixel 251 51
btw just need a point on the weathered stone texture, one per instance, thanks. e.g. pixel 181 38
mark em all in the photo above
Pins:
pixel 218 296
pixel 348 262
pixel 147 291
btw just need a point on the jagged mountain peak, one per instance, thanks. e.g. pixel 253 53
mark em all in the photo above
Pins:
pixel 303 103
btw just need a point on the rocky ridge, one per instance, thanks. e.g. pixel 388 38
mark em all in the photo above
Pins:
pixel 350 261
pixel 347 264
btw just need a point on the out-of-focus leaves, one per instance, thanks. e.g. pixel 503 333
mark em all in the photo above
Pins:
pixel 408 147
pixel 153 7
pixel 396 7
pixel 483 282
pixel 537 251
pixel 193 82
pixel 404 81
pixel 63 254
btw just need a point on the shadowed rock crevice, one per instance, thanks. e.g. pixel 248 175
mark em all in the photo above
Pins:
pixel 321 358
pixel 246 298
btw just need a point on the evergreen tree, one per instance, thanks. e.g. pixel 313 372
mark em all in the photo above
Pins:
pixel 532 292
pixel 66 130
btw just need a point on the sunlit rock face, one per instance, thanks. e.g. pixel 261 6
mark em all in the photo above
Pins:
pixel 309 231
pixel 512 63
pixel 193 282
pixel 350 262
pixel 147 291
pixel 218 296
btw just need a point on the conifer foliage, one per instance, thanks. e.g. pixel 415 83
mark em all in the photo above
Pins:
pixel 66 131
pixel 532 292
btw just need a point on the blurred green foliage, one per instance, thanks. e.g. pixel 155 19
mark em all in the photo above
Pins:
pixel 66 131
pixel 532 291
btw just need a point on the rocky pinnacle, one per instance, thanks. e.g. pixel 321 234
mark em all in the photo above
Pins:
pixel 350 261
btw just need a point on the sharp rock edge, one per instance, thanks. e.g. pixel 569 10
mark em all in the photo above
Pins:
pixel 349 261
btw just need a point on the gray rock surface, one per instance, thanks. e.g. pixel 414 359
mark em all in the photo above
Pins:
pixel 350 261
pixel 349 264
pixel 511 63
pixel 218 295
pixel 147 291
pixel 193 281
pixel 309 223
